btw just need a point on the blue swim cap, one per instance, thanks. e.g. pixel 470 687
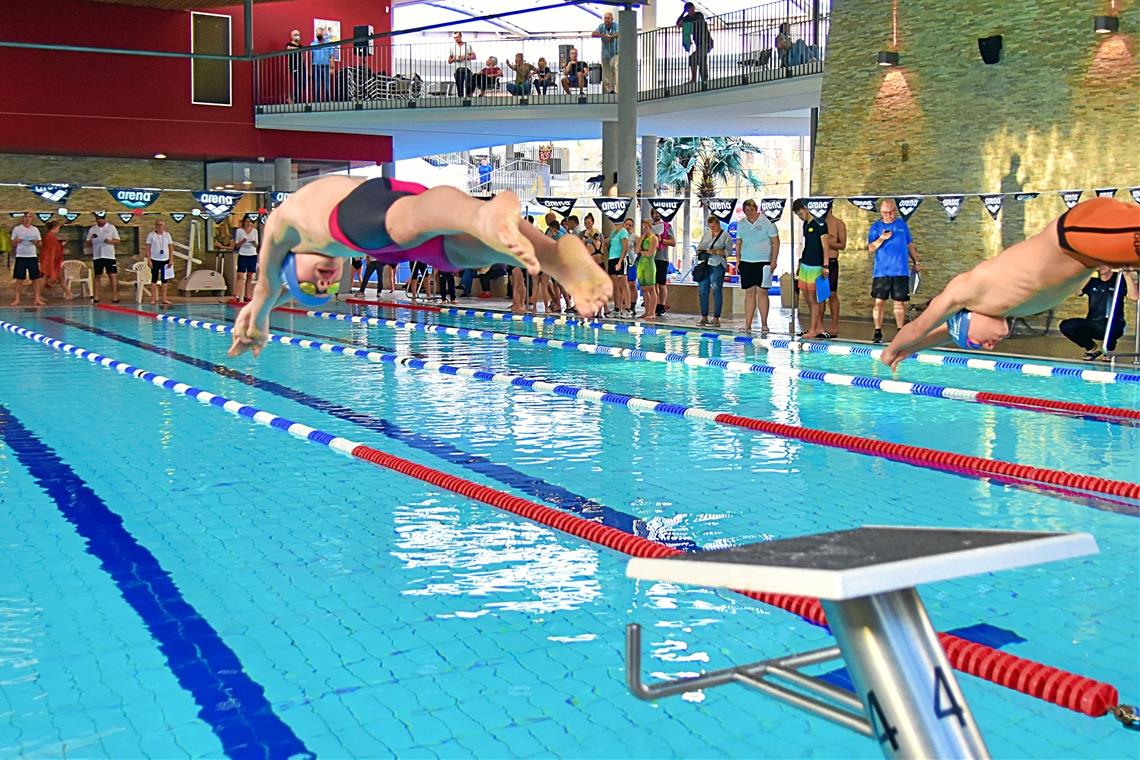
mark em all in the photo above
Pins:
pixel 959 326
pixel 305 292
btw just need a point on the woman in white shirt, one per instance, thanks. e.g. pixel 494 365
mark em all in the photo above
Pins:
pixel 246 241
pixel 713 252
pixel 158 254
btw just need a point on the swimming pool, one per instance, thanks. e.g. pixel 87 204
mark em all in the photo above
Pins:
pixel 178 581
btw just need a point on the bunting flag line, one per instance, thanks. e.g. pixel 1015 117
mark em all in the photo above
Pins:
pixel 277 197
pixel 992 203
pixel 71 216
pixel 16 214
pixel 177 216
pixel 215 203
pixel 819 207
pixel 125 217
pixel 132 197
pixel 1071 197
pixel 613 209
pixel 908 204
pixel 1023 197
pixel 253 216
pixel 867 202
pixel 667 207
pixel 1135 193
pixel 721 208
pixel 951 204
pixel 99 214
pixel 1105 192
pixel 44 216
pixel 560 206
pixel 773 208
pixel 53 193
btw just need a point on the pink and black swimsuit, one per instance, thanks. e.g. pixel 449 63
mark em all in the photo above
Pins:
pixel 359 222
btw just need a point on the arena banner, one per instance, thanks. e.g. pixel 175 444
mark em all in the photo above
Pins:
pixel 1023 197
pixel 613 209
pixel 177 216
pixel 721 208
pixel 666 207
pixel 1135 193
pixel 951 204
pixel 44 216
pixel 125 217
pixel 253 216
pixel 819 207
pixel 560 206
pixel 993 203
pixel 133 197
pixel 908 204
pixel 16 214
pixel 1071 197
pixel 216 203
pixel 53 193
pixel 71 216
pixel 277 197
pixel 99 214
pixel 865 202
pixel 773 208
pixel 1105 192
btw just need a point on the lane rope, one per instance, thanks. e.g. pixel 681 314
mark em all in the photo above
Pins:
pixel 1114 415
pixel 1059 687
pixel 836 349
pixel 1072 484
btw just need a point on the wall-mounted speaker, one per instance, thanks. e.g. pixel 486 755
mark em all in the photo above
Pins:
pixel 360 41
pixel 990 48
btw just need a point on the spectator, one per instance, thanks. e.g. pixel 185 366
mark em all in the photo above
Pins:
pixel 488 78
pixel 246 241
pixel 590 233
pixel 575 72
pixel 102 238
pixel 384 276
pixel 695 34
pixel 460 54
pixel 757 248
pixel 296 63
pixel 51 259
pixel 836 242
pixel 550 291
pixel 607 31
pixel 618 251
pixel 647 268
pixel 543 77
pixel 1087 332
pixel 890 241
pixel 27 242
pixel 665 240
pixel 158 256
pixel 813 265
pixel 523 72
pixel 321 60
pixel 485 170
pixel 793 53
pixel 713 252
pixel 446 286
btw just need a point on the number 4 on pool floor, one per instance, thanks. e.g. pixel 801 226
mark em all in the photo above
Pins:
pixel 942 686
pixel 879 718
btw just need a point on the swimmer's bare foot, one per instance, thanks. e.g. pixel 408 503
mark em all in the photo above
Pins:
pixel 571 265
pixel 497 226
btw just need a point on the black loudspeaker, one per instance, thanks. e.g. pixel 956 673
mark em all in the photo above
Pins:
pixel 990 48
pixel 360 41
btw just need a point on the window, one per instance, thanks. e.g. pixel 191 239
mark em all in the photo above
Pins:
pixel 210 80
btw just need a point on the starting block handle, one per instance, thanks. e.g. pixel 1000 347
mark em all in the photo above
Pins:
pixel 902 677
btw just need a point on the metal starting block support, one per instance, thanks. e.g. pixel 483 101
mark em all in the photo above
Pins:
pixel 906 695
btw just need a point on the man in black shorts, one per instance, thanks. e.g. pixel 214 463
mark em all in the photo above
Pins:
pixel 890 241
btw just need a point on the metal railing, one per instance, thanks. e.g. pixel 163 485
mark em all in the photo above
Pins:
pixel 524 177
pixel 372 74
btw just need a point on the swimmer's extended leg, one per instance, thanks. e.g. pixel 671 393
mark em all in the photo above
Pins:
pixel 414 219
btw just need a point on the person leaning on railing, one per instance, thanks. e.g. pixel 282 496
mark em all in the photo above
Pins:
pixel 695 34
pixel 295 64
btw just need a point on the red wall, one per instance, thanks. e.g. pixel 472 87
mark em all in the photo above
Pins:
pixel 116 105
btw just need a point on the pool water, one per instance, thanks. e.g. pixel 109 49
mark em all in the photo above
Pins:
pixel 177 581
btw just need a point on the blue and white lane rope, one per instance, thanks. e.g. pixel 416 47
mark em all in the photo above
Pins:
pixel 1104 413
pixel 835 349
pixel 1062 483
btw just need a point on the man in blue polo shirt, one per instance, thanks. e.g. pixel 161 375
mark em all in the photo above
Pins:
pixel 322 65
pixel 890 241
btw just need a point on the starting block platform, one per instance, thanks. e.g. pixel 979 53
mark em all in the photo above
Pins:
pixel 906 694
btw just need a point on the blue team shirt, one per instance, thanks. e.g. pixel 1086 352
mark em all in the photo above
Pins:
pixel 892 259
pixel 609 47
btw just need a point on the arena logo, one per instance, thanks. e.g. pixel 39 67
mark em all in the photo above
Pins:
pixel 178 216
pixel 71 216
pixel 818 207
pixel 1071 197
pixel 16 214
pixel 253 216
pixel 54 193
pixel 908 204
pixel 1105 192
pixel 721 208
pixel 613 209
pixel 560 206
pixel 278 197
pixel 217 205
pixel 666 207
pixel 1135 193
pixel 1023 197
pixel 132 197
pixel 993 204
pixel 125 217
pixel 867 202
pixel 44 216
pixel 951 204
pixel 772 208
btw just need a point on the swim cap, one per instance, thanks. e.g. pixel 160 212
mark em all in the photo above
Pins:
pixel 305 292
pixel 959 326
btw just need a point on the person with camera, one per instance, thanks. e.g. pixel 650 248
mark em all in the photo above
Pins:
pixel 890 242
pixel 712 263
pixel 102 238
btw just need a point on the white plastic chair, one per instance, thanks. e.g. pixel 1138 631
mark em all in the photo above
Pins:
pixel 75 271
pixel 141 271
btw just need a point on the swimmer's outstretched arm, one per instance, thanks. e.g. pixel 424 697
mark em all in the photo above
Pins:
pixel 251 328
pixel 930 328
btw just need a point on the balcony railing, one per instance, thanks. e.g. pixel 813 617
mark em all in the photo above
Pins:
pixel 371 74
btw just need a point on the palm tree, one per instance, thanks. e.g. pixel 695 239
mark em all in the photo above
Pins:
pixel 716 160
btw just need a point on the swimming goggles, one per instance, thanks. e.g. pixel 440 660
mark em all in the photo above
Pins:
pixel 306 292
